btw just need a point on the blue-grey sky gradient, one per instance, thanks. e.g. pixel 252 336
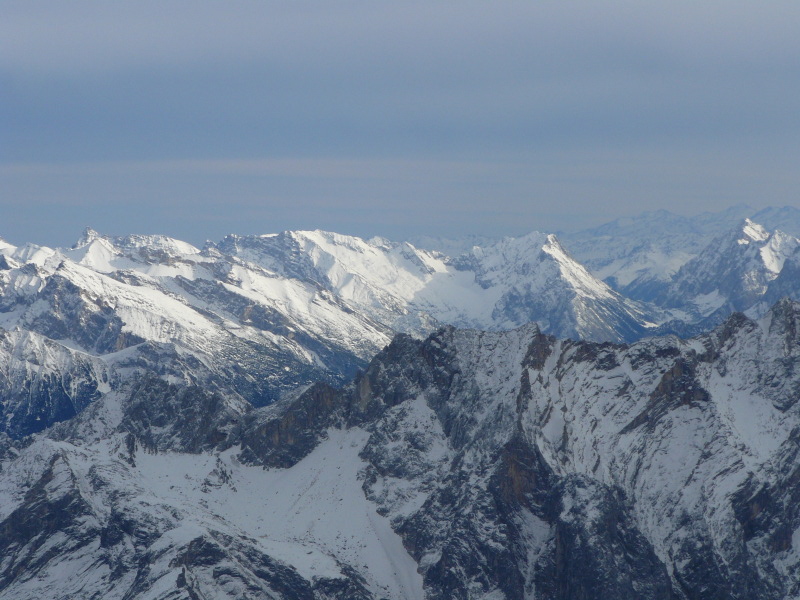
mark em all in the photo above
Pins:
pixel 196 119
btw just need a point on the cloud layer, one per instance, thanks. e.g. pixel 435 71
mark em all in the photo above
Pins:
pixel 392 118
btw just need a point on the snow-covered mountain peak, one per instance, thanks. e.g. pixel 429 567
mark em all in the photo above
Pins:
pixel 31 253
pixel 512 247
pixel 536 260
pixel 97 253
pixel 5 247
pixel 510 250
pixel 87 237
pixel 107 254
pixel 754 243
pixel 752 232
pixel 734 271
pixel 574 272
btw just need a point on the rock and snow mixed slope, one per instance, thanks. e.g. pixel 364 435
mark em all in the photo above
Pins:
pixel 639 256
pixel 733 272
pixel 469 465
pixel 256 316
pixel 253 317
pixel 81 322
pixel 505 285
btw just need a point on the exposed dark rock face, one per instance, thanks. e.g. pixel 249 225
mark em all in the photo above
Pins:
pixel 285 440
pixel 163 417
pixel 27 533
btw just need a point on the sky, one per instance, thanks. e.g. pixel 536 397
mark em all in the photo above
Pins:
pixel 198 119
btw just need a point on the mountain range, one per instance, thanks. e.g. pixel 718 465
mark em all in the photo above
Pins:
pixel 639 255
pixel 466 465
pixel 254 317
pixel 314 415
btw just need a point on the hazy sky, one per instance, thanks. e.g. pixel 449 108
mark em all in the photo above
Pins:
pixel 197 119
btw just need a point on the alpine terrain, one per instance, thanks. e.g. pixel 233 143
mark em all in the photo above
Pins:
pixel 254 317
pixel 468 465
pixel 310 415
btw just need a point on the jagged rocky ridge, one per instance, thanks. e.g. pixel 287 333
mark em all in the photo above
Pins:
pixel 80 323
pixel 254 317
pixel 734 272
pixel 505 285
pixel 638 256
pixel 467 465
pixel 659 260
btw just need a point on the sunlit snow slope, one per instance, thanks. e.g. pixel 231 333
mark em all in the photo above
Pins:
pixel 255 317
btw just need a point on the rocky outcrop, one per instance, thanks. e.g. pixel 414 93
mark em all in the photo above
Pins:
pixel 472 464
pixel 576 480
